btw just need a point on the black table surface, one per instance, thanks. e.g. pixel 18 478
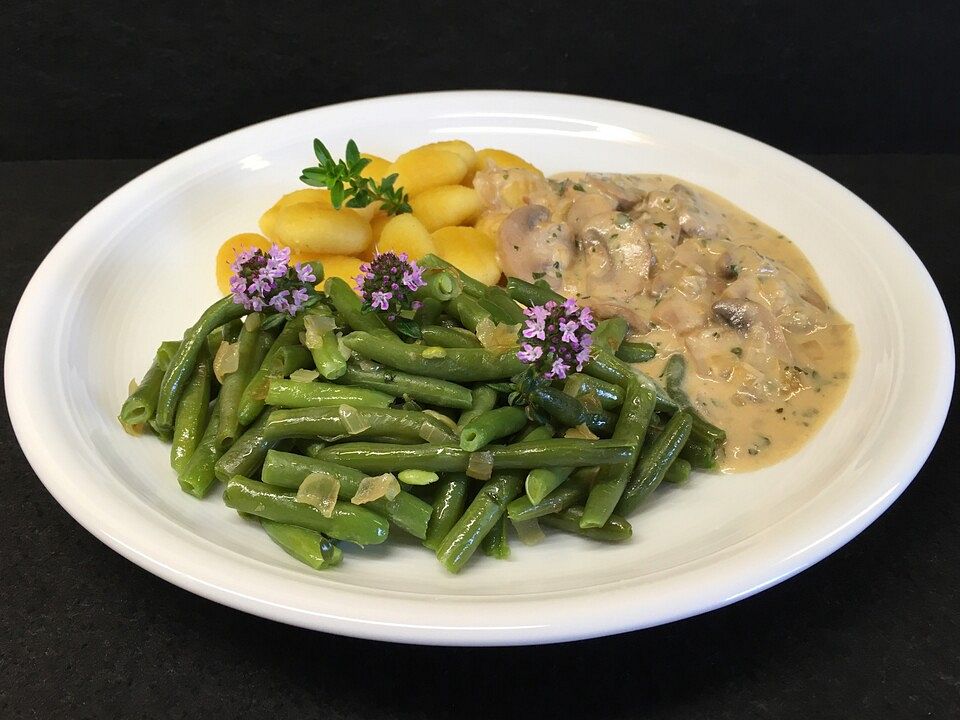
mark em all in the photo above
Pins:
pixel 870 632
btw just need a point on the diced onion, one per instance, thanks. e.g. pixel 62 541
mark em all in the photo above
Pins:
pixel 497 335
pixel 445 419
pixel 528 531
pixel 433 352
pixel 227 360
pixel 315 326
pixel 346 352
pixel 373 488
pixel 417 477
pixel 319 490
pixel 580 432
pixel 368 365
pixel 304 376
pixel 133 386
pixel 135 430
pixel 480 465
pixel 432 434
pixel 354 421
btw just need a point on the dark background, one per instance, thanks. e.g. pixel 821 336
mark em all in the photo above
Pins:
pixel 130 79
pixel 93 94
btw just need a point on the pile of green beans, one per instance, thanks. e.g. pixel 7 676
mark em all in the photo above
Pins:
pixel 473 448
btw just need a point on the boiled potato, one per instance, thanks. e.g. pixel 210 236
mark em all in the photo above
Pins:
pixel 425 167
pixel 405 234
pixel 376 169
pixel 457 147
pixel 489 223
pixel 446 205
pixel 314 227
pixel 501 159
pixel 470 250
pixel 229 250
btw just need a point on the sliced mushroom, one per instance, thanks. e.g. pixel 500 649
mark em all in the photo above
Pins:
pixel 694 219
pixel 587 206
pixel 614 256
pixel 532 246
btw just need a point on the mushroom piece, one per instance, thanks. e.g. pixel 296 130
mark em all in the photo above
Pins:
pixel 691 215
pixel 746 316
pixel 615 256
pixel 530 245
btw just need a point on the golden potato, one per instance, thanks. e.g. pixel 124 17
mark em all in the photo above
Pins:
pixel 501 159
pixel 446 205
pixel 426 167
pixel 489 223
pixel 405 234
pixel 457 147
pixel 314 227
pixel 376 169
pixel 228 251
pixel 470 250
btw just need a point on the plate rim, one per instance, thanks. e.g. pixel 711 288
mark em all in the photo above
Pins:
pixel 44 466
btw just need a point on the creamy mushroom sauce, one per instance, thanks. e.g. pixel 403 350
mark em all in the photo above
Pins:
pixel 768 359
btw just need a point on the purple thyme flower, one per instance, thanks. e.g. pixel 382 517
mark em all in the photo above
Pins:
pixel 387 283
pixel 560 338
pixel 265 280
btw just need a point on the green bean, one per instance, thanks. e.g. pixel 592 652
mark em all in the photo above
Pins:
pixel 632 424
pixel 441 285
pixel 426 390
pixel 471 286
pixel 636 352
pixel 228 332
pixel 609 395
pixel 292 394
pixel 311 448
pixel 448 505
pixel 492 425
pixel 608 367
pixel 610 333
pixel 502 308
pixel 376 458
pixel 448 337
pixel 191 419
pixel 483 399
pixel 181 367
pixel 251 401
pixel 468 311
pixel 700 454
pixel 350 308
pixel 429 312
pixel 456 364
pixel 617 529
pixel 531 294
pixel 653 463
pixel 328 423
pixel 570 492
pixel 569 411
pixel 406 511
pixel 166 353
pixel 535 432
pixel 326 352
pixel 480 517
pixel 497 542
pixel 307 546
pixel 235 383
pixel 673 375
pixel 246 454
pixel 199 474
pixel 141 405
pixel 541 482
pixel 348 522
pixel 678 472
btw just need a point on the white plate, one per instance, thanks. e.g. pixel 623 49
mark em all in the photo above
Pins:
pixel 139 268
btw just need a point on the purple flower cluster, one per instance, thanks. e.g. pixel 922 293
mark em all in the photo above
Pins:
pixel 264 280
pixel 388 281
pixel 559 338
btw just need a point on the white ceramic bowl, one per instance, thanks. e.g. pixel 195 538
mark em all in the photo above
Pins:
pixel 139 268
